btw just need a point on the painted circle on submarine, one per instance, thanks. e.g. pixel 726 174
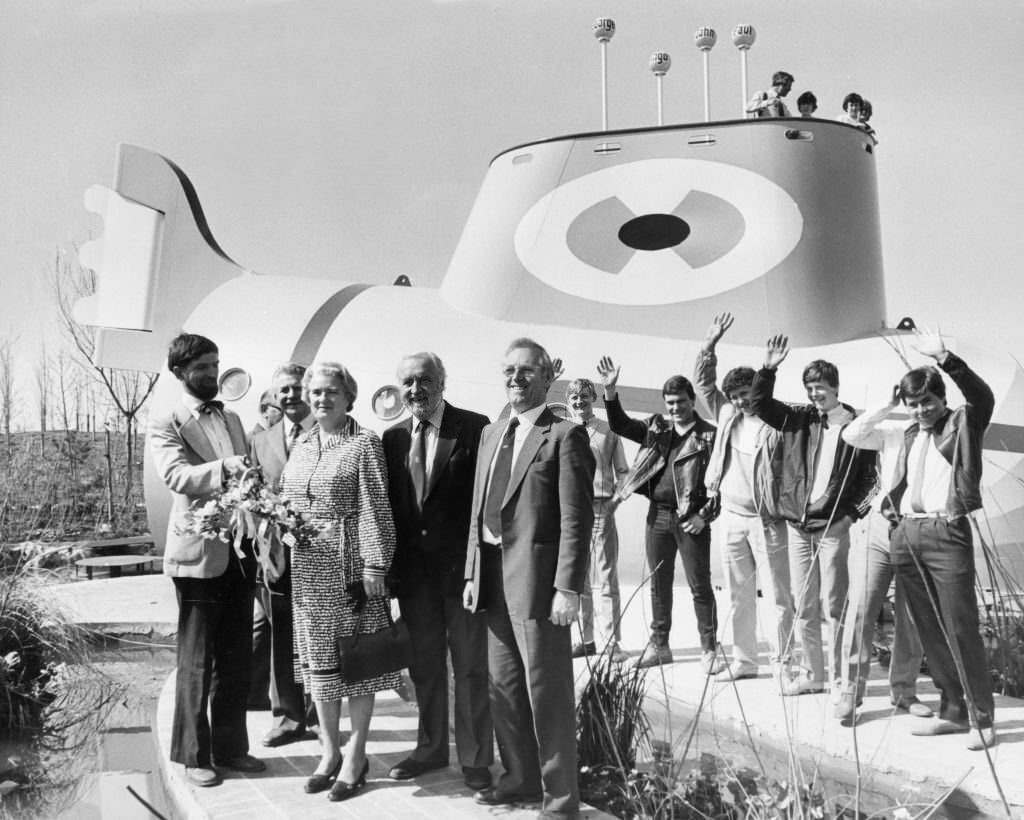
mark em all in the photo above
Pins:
pixel 658 231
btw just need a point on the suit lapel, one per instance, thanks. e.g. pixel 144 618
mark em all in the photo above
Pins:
pixel 280 444
pixel 236 432
pixel 534 439
pixel 447 435
pixel 192 434
pixel 488 444
pixel 276 455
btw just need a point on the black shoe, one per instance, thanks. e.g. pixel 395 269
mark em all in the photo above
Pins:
pixel 584 650
pixel 242 763
pixel 410 768
pixel 499 797
pixel 343 791
pixel 322 782
pixel 477 778
pixel 282 737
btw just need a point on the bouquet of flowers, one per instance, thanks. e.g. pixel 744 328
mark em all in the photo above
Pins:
pixel 249 509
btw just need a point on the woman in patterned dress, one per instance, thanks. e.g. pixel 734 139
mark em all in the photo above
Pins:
pixel 336 476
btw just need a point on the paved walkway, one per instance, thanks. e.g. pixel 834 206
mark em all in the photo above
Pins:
pixel 743 724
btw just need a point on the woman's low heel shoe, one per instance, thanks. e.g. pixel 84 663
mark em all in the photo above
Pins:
pixel 343 791
pixel 322 782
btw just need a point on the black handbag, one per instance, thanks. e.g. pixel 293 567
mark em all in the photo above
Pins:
pixel 370 655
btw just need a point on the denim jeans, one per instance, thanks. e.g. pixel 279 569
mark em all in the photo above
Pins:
pixel 818 572
pixel 664 539
pixel 871 572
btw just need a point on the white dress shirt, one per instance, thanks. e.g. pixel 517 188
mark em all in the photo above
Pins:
pixel 837 417
pixel 212 424
pixel 527 421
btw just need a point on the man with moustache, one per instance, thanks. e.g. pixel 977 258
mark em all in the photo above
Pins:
pixel 529 539
pixel 431 459
pixel 197 448
pixel 273 652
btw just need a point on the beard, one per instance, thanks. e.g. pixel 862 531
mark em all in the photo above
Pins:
pixel 205 389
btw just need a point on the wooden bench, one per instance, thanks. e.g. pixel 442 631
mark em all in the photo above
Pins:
pixel 115 563
pixel 116 553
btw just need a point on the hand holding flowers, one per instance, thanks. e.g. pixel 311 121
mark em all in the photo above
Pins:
pixel 249 509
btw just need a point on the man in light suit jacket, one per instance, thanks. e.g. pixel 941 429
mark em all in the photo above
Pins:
pixel 273 654
pixel 197 448
pixel 431 460
pixel 529 542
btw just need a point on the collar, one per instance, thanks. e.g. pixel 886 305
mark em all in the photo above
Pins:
pixel 192 403
pixel 838 416
pixel 686 428
pixel 529 418
pixel 940 425
pixel 588 423
pixel 306 424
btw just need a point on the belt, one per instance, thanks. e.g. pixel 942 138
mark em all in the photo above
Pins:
pixel 926 515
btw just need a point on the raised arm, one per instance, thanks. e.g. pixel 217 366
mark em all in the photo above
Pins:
pixel 871 431
pixel 772 412
pixel 705 370
pixel 618 420
pixel 976 392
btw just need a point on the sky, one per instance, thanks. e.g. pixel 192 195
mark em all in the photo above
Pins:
pixel 317 132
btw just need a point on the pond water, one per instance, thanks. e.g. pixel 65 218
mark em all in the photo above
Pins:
pixel 118 773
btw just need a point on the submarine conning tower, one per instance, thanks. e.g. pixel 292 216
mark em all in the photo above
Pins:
pixel 654 230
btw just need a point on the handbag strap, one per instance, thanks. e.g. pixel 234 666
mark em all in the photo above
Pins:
pixel 360 610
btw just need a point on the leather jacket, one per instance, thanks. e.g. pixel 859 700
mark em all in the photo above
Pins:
pixel 654 435
pixel 852 482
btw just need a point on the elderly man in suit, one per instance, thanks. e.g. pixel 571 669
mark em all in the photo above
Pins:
pixel 273 652
pixel 431 460
pixel 529 542
pixel 197 448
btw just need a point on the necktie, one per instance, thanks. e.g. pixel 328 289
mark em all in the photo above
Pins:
pixel 210 406
pixel 917 485
pixel 499 479
pixel 293 435
pixel 418 462
pixel 823 418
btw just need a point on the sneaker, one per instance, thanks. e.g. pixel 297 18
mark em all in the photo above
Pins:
pixel 940 726
pixel 584 650
pixel 910 704
pixel 655 656
pixel 802 686
pixel 982 738
pixel 846 709
pixel 202 776
pixel 710 662
pixel 736 671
